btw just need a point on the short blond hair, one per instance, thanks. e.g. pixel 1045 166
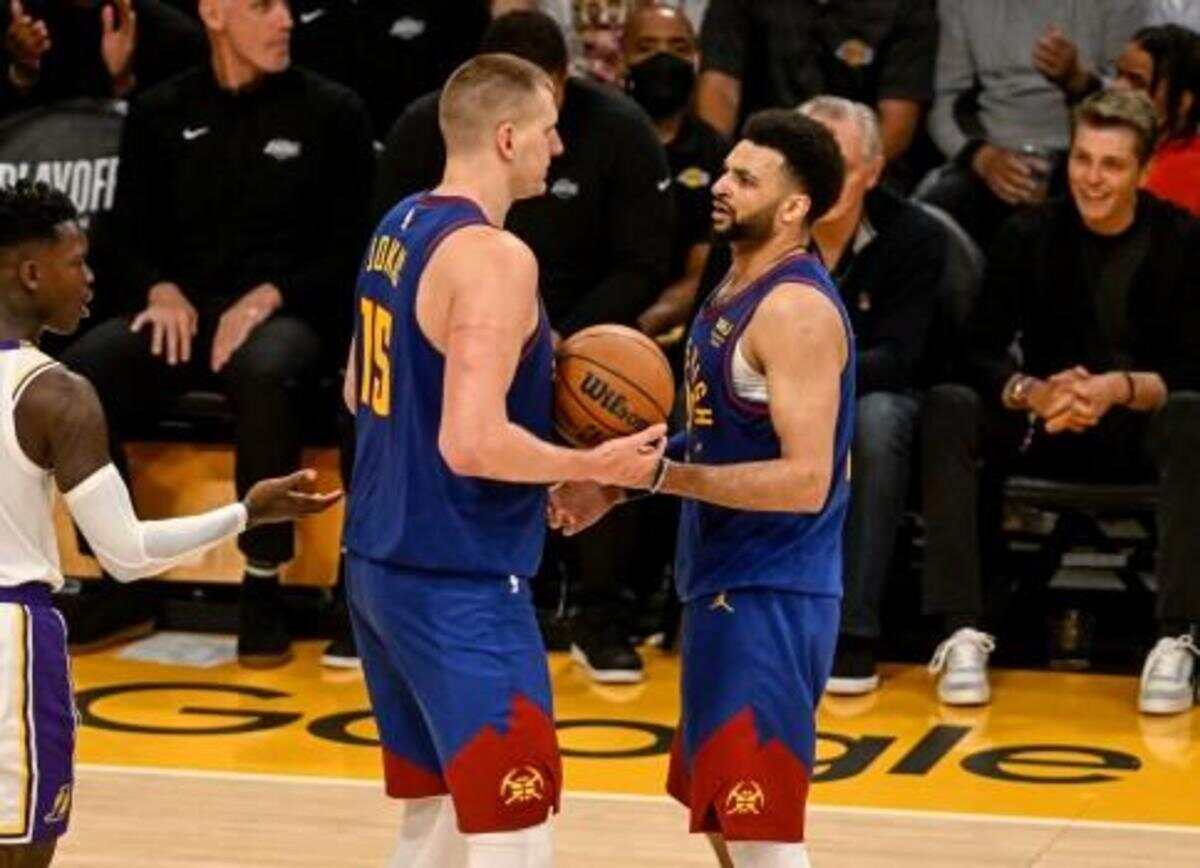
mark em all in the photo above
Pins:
pixel 1132 110
pixel 839 109
pixel 487 90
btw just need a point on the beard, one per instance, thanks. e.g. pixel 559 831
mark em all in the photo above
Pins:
pixel 756 227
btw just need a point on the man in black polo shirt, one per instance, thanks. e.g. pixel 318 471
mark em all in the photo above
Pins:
pixel 602 236
pixel 887 256
pixel 241 209
pixel 778 53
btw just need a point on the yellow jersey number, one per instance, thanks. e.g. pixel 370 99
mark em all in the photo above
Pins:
pixel 375 381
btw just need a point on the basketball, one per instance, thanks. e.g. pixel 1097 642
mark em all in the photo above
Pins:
pixel 610 381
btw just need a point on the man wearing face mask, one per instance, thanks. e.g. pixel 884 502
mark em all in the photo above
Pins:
pixel 660 57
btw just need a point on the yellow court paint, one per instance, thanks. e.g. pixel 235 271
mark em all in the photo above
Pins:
pixel 1051 745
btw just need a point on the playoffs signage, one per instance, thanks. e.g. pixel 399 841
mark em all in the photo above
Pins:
pixel 73 146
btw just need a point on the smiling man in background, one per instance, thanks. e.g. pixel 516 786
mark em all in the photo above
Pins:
pixel 1100 286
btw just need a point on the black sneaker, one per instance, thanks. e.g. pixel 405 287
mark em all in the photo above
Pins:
pixel 342 652
pixel 263 640
pixel 106 616
pixel 853 667
pixel 607 656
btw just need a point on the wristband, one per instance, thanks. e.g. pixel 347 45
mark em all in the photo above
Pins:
pixel 1131 387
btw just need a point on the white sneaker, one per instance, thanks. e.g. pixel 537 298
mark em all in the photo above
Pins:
pixel 1168 678
pixel 962 660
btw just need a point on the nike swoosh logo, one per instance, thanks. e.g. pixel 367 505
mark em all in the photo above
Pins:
pixel 190 133
pixel 663 185
pixel 310 17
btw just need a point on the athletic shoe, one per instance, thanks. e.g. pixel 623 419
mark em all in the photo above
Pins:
pixel 263 639
pixel 962 662
pixel 342 653
pixel 853 667
pixel 106 616
pixel 607 656
pixel 1169 677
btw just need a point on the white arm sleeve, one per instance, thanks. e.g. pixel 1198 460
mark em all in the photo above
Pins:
pixel 130 549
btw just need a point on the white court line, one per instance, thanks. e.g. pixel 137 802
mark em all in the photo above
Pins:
pixel 594 796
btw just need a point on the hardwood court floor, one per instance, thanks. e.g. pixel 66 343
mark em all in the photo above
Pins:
pixel 206 768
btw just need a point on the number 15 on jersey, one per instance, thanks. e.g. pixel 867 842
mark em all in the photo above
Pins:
pixel 375 381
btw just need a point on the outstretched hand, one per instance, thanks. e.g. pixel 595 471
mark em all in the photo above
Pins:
pixel 286 498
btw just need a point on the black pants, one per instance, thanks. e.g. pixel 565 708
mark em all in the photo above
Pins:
pixel 264 380
pixel 960 435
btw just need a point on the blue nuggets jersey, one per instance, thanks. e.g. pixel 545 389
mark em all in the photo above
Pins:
pixel 721 549
pixel 407 508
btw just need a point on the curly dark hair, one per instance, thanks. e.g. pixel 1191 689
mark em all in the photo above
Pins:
pixel 809 151
pixel 1175 52
pixel 31 211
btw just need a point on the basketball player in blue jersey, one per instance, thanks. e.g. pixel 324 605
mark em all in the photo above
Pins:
pixel 52 431
pixel 452 378
pixel 764 473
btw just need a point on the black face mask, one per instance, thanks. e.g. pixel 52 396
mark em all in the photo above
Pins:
pixel 662 83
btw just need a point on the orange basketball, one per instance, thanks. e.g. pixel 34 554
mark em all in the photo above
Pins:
pixel 609 381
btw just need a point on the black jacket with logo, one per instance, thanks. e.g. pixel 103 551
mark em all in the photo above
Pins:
pixel 389 51
pixel 220 192
pixel 602 232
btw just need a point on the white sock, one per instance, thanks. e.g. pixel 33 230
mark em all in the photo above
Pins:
pixel 768 854
pixel 429 836
pixel 524 848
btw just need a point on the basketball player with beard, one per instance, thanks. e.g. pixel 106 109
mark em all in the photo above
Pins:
pixel 53 431
pixel 763 468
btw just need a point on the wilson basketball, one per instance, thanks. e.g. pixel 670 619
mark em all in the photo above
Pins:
pixel 610 381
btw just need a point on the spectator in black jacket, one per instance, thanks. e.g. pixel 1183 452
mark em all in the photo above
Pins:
pixel 887 257
pixel 772 53
pixel 241 206
pixel 659 71
pixel 1101 289
pixel 60 50
pixel 389 51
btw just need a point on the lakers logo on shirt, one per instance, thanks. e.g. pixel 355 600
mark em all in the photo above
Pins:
pixel 746 798
pixel 522 785
pixel 61 808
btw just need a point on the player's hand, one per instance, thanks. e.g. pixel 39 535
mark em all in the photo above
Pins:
pixel 286 498
pixel 628 462
pixel 173 321
pixel 1006 173
pixel 576 506
pixel 26 41
pixel 118 39
pixel 237 323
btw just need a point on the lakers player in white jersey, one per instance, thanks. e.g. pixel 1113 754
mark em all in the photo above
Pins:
pixel 52 431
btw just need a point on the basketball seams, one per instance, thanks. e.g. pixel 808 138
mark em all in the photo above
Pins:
pixel 623 378
pixel 642 342
pixel 587 412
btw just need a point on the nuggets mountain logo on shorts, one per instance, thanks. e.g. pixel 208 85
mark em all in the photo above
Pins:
pixel 522 785
pixel 746 797
pixel 61 808
pixel 612 401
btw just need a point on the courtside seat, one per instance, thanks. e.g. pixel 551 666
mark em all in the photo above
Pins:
pixel 1096 498
pixel 184 463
